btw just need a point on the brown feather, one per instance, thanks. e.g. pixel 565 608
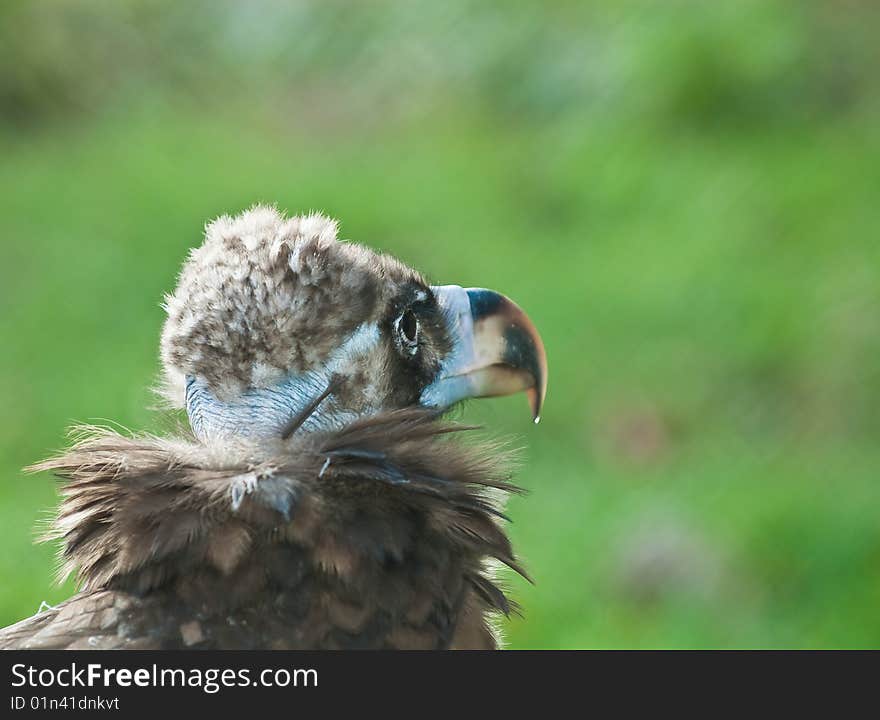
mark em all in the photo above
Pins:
pixel 377 535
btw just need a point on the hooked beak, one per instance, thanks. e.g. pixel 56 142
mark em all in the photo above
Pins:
pixel 496 350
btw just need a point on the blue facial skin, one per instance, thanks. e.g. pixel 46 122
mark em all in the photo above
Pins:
pixel 260 412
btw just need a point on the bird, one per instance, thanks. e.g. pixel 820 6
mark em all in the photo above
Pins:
pixel 316 493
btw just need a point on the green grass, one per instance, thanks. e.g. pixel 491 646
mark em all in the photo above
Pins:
pixel 706 472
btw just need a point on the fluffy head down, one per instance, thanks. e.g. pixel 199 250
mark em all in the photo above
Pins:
pixel 267 296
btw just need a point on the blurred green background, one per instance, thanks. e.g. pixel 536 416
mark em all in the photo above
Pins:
pixel 684 195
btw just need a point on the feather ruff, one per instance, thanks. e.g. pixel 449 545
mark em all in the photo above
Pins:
pixel 376 535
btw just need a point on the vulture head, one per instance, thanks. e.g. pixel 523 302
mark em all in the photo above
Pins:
pixel 276 326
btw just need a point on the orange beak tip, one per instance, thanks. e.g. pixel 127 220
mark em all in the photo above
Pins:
pixel 535 402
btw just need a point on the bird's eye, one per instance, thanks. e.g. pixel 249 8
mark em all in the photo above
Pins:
pixel 408 331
